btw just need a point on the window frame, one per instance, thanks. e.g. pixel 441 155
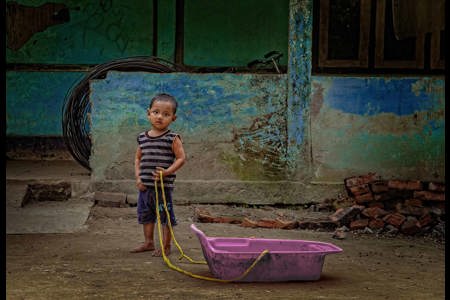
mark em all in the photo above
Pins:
pixel 427 59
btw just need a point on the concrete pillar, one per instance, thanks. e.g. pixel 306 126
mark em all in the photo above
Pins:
pixel 299 84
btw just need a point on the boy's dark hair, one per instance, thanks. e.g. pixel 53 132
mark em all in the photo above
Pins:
pixel 167 98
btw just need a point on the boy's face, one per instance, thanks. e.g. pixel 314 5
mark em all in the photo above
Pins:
pixel 161 114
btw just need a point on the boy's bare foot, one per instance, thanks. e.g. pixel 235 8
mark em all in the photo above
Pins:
pixel 158 252
pixel 143 248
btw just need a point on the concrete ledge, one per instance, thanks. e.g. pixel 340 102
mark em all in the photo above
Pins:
pixel 235 191
pixel 78 187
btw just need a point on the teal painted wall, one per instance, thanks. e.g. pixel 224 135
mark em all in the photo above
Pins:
pixel 217 33
pixel 98 31
pixel 233 33
pixel 35 100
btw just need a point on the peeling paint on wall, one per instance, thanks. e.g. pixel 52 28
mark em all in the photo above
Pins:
pixel 264 144
pixel 22 21
pixel 373 96
pixel 394 127
pixel 240 119
pixel 299 82
pixel 87 32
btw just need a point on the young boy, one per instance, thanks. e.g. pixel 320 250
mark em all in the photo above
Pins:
pixel 159 149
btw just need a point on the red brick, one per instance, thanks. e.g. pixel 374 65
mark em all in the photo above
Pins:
pixel 249 223
pixel 413 202
pixel 411 226
pixel 287 224
pixel 436 187
pixel 374 212
pixel 229 220
pixel 359 180
pixel 376 204
pixel 277 223
pixel 376 223
pixel 429 196
pixel 360 199
pixel 382 197
pixel 345 215
pixel 204 216
pixel 359 189
pixel 359 224
pixel 379 186
pixel 426 220
pixel 411 210
pixel 415 185
pixel 395 219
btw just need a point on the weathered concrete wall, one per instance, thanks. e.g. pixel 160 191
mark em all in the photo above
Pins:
pixel 233 126
pixel 250 138
pixel 235 133
pixel 392 126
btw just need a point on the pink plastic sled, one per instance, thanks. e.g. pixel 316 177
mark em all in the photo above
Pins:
pixel 287 260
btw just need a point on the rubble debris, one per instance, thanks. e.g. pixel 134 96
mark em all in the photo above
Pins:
pixel 47 192
pixel 372 205
pixel 394 206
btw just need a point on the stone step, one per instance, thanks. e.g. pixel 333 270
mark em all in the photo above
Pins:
pixel 46 197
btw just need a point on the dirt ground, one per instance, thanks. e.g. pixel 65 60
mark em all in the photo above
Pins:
pixel 96 264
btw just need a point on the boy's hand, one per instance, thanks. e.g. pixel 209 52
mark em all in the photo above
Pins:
pixel 140 185
pixel 156 174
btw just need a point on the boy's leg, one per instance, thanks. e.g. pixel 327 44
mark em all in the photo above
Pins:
pixel 166 239
pixel 145 218
pixel 148 244
pixel 148 233
pixel 166 242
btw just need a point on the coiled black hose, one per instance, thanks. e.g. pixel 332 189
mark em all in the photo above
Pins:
pixel 76 107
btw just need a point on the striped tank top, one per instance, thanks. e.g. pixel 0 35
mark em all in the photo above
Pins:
pixel 156 152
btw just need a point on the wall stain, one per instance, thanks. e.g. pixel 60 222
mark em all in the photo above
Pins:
pixel 263 144
pixel 22 22
pixel 316 99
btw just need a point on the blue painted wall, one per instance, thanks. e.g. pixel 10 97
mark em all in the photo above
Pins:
pixel 240 118
pixel 394 127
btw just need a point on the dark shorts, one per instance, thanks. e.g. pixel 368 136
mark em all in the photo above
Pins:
pixel 146 206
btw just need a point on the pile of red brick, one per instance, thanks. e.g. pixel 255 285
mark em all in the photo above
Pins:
pixel 372 204
pixel 407 206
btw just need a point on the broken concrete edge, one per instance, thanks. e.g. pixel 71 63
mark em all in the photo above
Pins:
pixel 78 187
pixel 234 191
pixel 110 199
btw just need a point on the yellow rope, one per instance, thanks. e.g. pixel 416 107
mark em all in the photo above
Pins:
pixel 163 251
pixel 170 224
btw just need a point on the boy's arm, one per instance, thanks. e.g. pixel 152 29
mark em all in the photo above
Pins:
pixel 137 161
pixel 180 158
